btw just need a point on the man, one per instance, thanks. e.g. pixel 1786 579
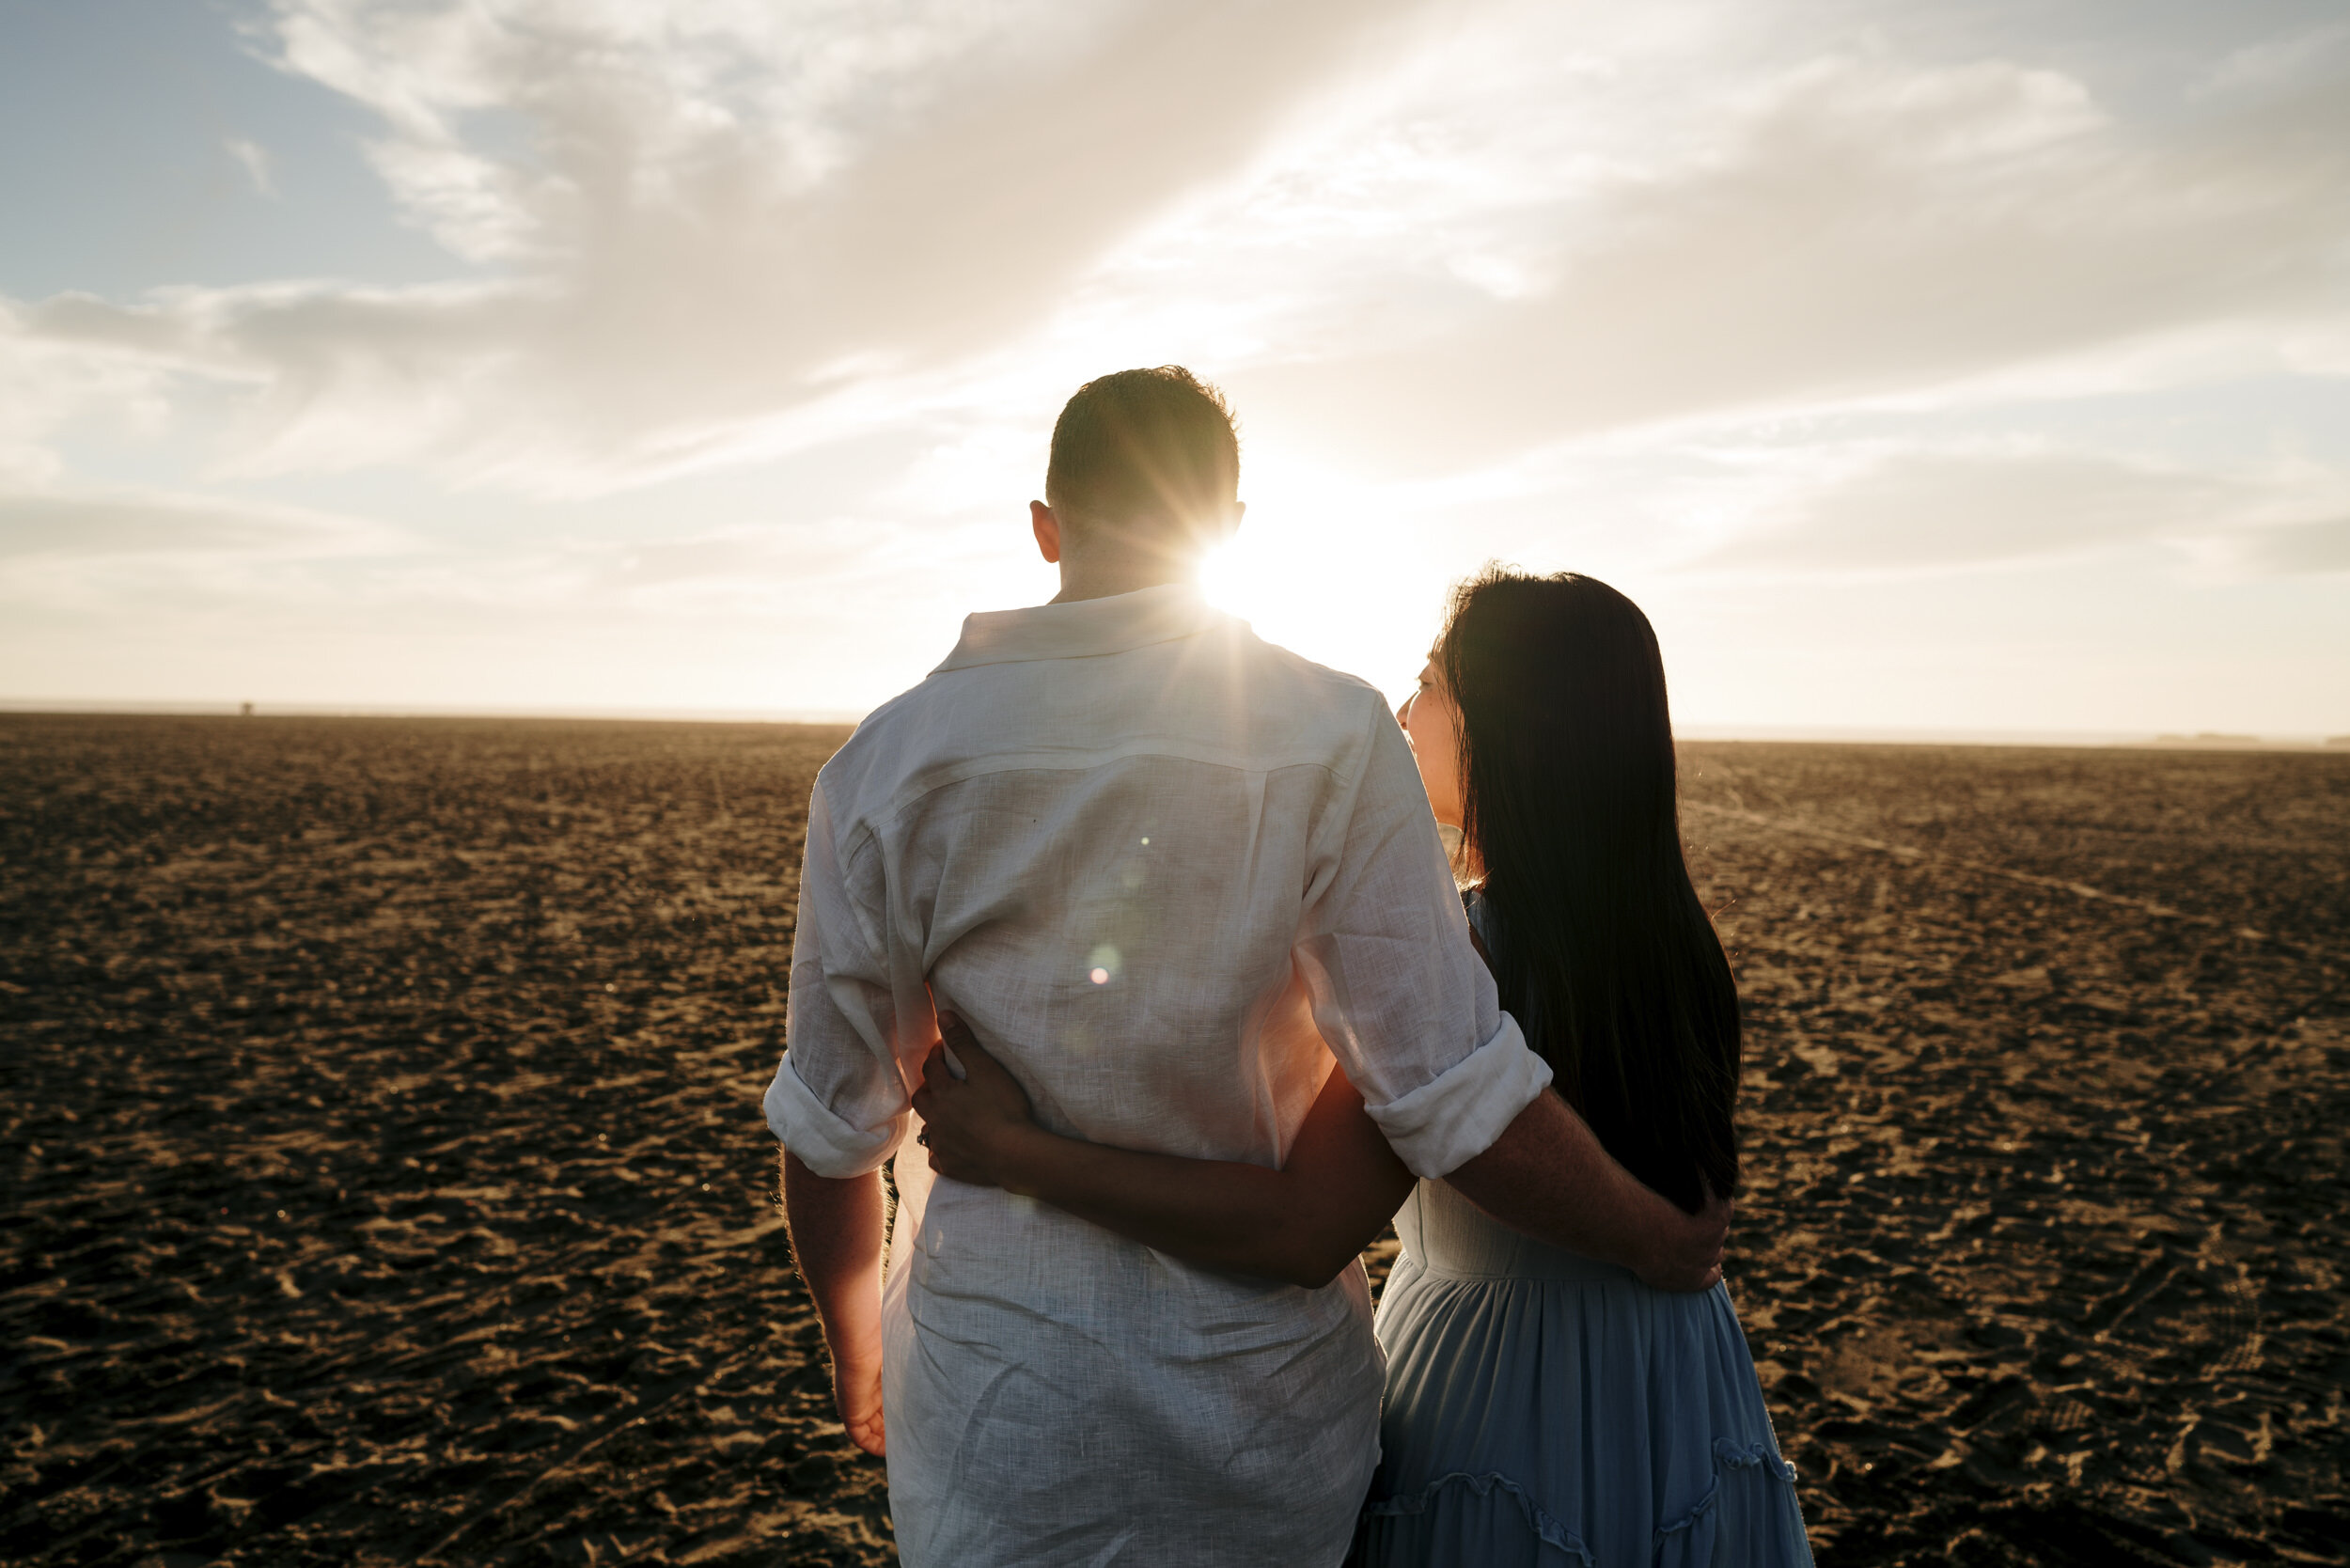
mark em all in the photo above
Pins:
pixel 1156 864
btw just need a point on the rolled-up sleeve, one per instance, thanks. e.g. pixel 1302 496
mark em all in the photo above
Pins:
pixel 1398 989
pixel 837 1100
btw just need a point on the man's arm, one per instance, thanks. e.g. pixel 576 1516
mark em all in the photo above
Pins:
pixel 1547 1176
pixel 837 1107
pixel 836 1230
pixel 1409 1009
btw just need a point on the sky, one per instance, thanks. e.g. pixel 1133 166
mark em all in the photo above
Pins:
pixel 1917 366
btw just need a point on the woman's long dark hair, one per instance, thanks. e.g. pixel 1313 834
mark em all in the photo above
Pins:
pixel 1598 943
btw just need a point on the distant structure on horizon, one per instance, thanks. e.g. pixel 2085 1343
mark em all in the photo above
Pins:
pixel 2212 740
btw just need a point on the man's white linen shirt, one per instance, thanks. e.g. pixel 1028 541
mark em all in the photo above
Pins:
pixel 1156 863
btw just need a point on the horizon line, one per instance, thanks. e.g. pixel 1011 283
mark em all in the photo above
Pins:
pixel 1819 734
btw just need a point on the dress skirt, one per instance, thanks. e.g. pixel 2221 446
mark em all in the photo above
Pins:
pixel 1545 1409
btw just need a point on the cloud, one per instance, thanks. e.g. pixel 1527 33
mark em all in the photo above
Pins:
pixel 254 159
pixel 702 233
pixel 756 316
pixel 1867 229
pixel 47 384
pixel 702 219
pixel 98 525
pixel 2304 55
pixel 1890 508
pixel 1920 509
pixel 2291 549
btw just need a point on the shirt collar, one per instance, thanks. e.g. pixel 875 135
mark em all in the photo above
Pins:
pixel 1083 629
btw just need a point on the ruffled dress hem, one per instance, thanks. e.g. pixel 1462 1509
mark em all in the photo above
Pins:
pixel 1729 1458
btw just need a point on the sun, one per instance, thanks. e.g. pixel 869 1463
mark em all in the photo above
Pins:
pixel 1347 592
pixel 1224 579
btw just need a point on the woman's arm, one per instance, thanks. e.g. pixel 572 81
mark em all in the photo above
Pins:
pixel 1301 1224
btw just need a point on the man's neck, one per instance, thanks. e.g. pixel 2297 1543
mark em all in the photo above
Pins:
pixel 1101 579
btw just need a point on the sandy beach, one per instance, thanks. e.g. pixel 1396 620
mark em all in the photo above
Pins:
pixel 386 1182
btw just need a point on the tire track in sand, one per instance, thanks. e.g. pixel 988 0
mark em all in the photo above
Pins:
pixel 1912 853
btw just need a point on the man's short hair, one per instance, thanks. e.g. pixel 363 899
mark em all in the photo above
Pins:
pixel 1143 446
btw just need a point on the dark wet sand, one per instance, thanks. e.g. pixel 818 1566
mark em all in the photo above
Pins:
pixel 386 1183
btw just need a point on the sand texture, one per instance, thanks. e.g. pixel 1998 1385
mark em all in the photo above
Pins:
pixel 2046 1089
pixel 386 1183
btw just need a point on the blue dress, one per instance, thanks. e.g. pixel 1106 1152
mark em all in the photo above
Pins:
pixel 1545 1409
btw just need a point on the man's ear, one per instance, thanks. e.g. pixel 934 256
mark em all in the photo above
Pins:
pixel 1048 529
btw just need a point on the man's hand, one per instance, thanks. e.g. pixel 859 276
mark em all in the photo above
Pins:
pixel 1687 1255
pixel 856 1389
pixel 835 1225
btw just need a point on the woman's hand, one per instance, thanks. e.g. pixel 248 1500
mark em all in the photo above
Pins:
pixel 975 1126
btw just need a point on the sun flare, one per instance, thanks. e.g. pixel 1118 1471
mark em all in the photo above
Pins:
pixel 1343 590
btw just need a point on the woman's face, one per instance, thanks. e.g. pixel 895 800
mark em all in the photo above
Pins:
pixel 1432 726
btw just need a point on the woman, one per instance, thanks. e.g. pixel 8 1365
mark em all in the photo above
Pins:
pixel 1542 1407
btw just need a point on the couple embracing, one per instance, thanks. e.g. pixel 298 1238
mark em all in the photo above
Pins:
pixel 1146 931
